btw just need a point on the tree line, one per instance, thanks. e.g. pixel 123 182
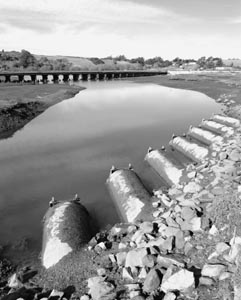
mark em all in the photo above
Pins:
pixel 14 60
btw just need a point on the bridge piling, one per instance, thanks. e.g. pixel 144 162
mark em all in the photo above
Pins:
pixel 75 77
pixel 93 76
pixel 7 78
pixel 85 77
pixel 56 78
pixel 65 77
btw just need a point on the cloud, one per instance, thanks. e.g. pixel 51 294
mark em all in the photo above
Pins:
pixel 236 20
pixel 45 15
pixel 41 22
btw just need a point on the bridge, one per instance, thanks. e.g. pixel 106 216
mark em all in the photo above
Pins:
pixel 65 76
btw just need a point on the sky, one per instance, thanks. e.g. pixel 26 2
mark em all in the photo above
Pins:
pixel 99 28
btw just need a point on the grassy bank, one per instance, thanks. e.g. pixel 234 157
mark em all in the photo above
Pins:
pixel 21 103
pixel 211 84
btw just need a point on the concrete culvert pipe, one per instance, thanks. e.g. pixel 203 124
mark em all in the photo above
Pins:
pixel 226 120
pixel 132 200
pixel 164 167
pixel 67 228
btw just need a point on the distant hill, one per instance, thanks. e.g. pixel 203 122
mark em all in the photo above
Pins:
pixel 88 63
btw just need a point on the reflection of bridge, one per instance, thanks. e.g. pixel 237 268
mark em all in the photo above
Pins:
pixel 42 76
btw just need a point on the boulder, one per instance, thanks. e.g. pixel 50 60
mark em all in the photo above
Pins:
pixel 152 281
pixel 169 296
pixel 99 288
pixel 181 281
pixel 192 188
pixel 134 257
pixel 213 270
pixel 146 227
pixel 121 258
pixel 188 213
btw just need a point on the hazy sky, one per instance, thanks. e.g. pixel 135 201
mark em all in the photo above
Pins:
pixel 166 28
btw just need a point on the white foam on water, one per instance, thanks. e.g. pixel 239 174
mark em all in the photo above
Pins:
pixel 173 173
pixel 195 150
pixel 227 120
pixel 55 250
pixel 206 134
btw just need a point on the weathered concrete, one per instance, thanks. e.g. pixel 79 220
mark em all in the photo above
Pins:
pixel 129 194
pixel 66 229
pixel 204 136
pixel 164 166
pixel 191 150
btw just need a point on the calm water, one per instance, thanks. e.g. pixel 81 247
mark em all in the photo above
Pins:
pixel 70 148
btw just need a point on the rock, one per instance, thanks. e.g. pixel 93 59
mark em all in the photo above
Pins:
pixel 122 245
pixel 192 225
pixel 156 214
pixel 133 286
pixel 217 191
pixel 112 258
pixel 121 258
pixel 152 281
pixel 56 293
pixel 170 231
pixel 169 296
pixel 137 236
pixel 167 261
pixel 170 222
pixel 181 281
pixel 134 257
pixel 138 298
pixel 149 260
pixel 222 155
pixel 99 288
pixel 179 240
pixel 222 247
pixel 187 248
pixel 168 244
pixel 234 155
pixel 192 174
pixel 142 274
pixel 14 282
pixel 99 247
pixel 212 270
pixel 213 230
pixel 206 281
pixel 187 213
pixel 126 275
pixel 101 272
pixel 131 229
pixel 192 188
pixel 85 297
pixel 134 294
pixel 146 227
pixel 225 275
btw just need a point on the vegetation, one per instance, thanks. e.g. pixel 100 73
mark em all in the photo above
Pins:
pixel 14 60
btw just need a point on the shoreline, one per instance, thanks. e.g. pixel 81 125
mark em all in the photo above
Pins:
pixel 107 263
pixel 20 104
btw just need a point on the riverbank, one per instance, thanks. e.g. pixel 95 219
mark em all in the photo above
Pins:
pixel 19 104
pixel 211 84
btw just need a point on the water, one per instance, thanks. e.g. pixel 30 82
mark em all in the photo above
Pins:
pixel 70 148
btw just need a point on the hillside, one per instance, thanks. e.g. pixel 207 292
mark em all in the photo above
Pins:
pixel 90 64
